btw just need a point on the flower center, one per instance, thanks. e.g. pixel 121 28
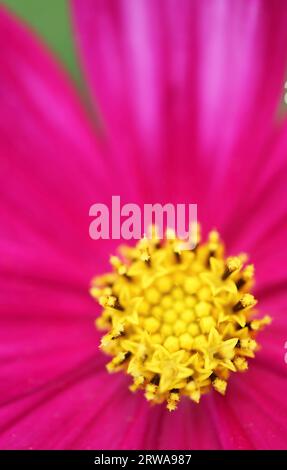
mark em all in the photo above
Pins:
pixel 178 321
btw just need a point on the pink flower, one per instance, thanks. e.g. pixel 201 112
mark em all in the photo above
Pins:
pixel 188 93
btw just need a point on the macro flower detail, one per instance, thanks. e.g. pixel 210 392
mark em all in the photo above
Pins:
pixel 178 321
pixel 187 94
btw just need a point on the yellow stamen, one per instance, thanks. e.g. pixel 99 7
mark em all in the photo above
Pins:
pixel 178 321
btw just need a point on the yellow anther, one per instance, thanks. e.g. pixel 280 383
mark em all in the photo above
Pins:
pixel 151 324
pixel 157 312
pixel 105 301
pixel 171 344
pixel 195 396
pixel 204 293
pixel 248 343
pixel 157 338
pixel 185 341
pixel 178 322
pixel 166 330
pixel 179 327
pixel 178 306
pixel 259 323
pixel 177 293
pixel 144 249
pixel 200 342
pixel 248 272
pixel 152 296
pixel 150 392
pixel 164 284
pixel 166 301
pixel 191 285
pixel 193 329
pixel 187 315
pixel 213 236
pixel 220 385
pixel 213 241
pixel 190 301
pixel 171 405
pixel 143 307
pixel 247 301
pixel 178 278
pixel 206 323
pixel 116 362
pixel 137 383
pixel 111 301
pixel 115 262
pixel 233 263
pixel 169 316
pixel 241 364
pixel 202 309
pixel 172 401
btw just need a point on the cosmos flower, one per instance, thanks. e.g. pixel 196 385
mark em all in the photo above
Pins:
pixel 188 94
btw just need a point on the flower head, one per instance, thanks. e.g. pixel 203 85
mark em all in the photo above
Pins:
pixel 178 321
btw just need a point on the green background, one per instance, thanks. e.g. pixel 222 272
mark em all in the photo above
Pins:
pixel 51 20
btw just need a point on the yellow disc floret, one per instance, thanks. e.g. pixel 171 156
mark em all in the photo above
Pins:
pixel 178 322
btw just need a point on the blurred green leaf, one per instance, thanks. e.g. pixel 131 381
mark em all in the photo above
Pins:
pixel 51 20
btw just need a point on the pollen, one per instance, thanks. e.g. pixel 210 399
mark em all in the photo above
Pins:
pixel 178 321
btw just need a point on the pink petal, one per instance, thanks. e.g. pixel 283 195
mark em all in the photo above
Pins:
pixel 259 218
pixel 86 409
pixel 253 414
pixel 258 225
pixel 194 429
pixel 272 341
pixel 36 352
pixel 190 427
pixel 52 171
pixel 181 88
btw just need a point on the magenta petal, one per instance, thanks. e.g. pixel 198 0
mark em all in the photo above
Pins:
pixel 195 428
pixel 51 172
pixel 181 89
pixel 36 352
pixel 88 409
pixel 253 414
pixel 84 409
pixel 258 226
pixel 265 186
